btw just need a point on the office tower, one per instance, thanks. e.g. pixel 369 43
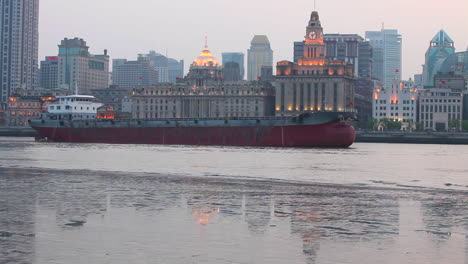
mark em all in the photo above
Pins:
pixel 48 73
pixel 386 45
pixel 237 58
pixel 19 46
pixel 131 74
pixel 79 68
pixel 440 47
pixel 175 69
pixel 259 54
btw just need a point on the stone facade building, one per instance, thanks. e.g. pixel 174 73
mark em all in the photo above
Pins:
pixel 204 94
pixel 438 108
pixel 313 83
pixel 397 103
pixel 29 104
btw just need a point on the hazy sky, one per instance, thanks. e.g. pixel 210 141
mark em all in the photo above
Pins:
pixel 178 27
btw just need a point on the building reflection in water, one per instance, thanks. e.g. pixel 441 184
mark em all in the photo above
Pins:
pixel 120 218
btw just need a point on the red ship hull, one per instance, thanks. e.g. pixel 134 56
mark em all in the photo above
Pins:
pixel 331 134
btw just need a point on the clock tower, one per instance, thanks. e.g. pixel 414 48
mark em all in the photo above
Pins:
pixel 314 46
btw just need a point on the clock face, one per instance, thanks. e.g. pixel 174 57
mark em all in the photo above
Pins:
pixel 312 35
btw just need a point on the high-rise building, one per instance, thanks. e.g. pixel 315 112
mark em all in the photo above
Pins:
pixel 48 73
pixel 259 54
pixel 236 57
pixel 168 69
pixel 231 71
pixel 176 69
pixel 298 50
pixel 440 47
pixel 19 21
pixel 352 49
pixel 130 74
pixel 78 68
pixel 386 45
pixel 349 48
pixel 314 83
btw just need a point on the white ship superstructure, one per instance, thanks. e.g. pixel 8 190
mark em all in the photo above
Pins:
pixel 73 107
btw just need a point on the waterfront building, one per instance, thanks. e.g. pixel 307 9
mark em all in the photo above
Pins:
pixel 313 83
pixel 236 57
pixel 440 47
pixel 130 74
pixel 28 104
pixel 77 67
pixel 397 103
pixel 260 54
pixel 386 45
pixel 440 109
pixel 49 72
pixel 112 97
pixel 203 94
pixel 19 46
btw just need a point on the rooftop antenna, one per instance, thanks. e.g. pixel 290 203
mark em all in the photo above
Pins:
pixel 383 25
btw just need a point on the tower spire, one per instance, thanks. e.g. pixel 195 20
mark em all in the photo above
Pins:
pixel 206 42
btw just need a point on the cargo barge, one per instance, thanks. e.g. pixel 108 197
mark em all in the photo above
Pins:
pixel 75 121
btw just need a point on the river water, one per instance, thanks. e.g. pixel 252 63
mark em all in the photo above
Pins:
pixel 100 203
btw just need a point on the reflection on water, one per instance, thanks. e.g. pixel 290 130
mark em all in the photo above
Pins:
pixel 78 216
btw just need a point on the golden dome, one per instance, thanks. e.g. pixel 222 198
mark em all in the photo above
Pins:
pixel 206 59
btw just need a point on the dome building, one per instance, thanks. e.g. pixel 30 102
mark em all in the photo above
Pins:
pixel 205 70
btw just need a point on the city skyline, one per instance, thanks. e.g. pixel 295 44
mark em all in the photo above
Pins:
pixel 114 29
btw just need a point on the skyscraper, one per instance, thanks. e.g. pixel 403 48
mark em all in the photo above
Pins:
pixel 259 54
pixel 48 74
pixel 19 46
pixel 131 74
pixel 168 69
pixel 176 69
pixel 78 67
pixel 440 47
pixel 386 46
pixel 237 58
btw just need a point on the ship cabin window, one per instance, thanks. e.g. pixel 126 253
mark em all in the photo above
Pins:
pixel 58 107
pixel 52 107
pixel 87 108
